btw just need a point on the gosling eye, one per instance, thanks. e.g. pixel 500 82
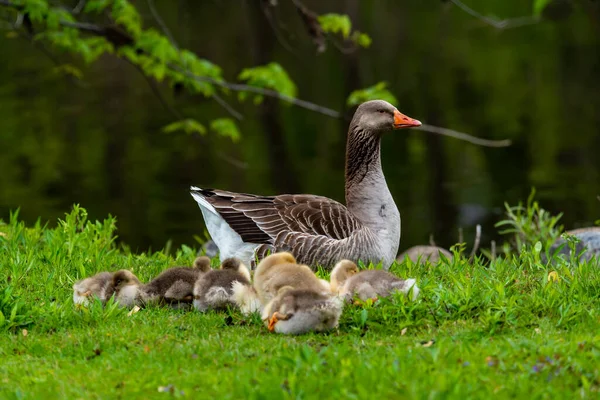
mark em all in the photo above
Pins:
pixel 381 111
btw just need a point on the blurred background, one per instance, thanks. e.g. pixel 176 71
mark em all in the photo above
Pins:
pixel 99 141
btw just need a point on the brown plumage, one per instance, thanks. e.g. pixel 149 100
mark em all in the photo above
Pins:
pixel 279 270
pixel 297 311
pixel 99 286
pixel 214 290
pixel 173 286
pixel 315 229
pixel 348 281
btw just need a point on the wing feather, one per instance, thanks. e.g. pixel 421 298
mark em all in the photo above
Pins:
pixel 281 220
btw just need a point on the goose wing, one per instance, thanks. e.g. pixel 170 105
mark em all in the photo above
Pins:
pixel 260 219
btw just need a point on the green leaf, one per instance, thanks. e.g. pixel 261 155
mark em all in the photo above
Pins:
pixel 36 9
pixel 96 6
pixel 226 127
pixel 361 39
pixel 55 16
pixel 376 92
pixel 158 46
pixel 538 6
pixel 335 23
pixel 189 126
pixel 126 15
pixel 270 76
pixel 68 70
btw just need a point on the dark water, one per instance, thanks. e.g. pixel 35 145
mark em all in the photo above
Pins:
pixel 99 142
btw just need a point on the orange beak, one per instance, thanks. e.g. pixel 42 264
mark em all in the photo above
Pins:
pixel 402 121
pixel 272 322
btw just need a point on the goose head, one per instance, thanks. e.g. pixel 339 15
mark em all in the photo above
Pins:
pixel 342 271
pixel 380 116
pixel 202 264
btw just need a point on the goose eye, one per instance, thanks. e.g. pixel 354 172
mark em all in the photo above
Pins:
pixel 381 111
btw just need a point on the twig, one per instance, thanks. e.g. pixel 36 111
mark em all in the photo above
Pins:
pixel 342 49
pixel 79 7
pixel 157 92
pixel 237 115
pixel 284 43
pixel 178 115
pixel 431 241
pixel 493 243
pixel 119 38
pixel 460 234
pixel 161 23
pixel 51 57
pixel 477 242
pixel 498 24
pixel 464 136
pixel 19 20
pixel 238 87
pixel 236 163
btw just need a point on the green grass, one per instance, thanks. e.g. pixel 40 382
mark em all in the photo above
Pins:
pixel 484 330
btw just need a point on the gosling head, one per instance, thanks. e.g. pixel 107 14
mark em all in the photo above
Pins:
pixel 126 286
pixel 202 264
pixel 277 258
pixel 235 264
pixel 342 271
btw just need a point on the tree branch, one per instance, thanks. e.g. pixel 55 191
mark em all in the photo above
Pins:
pixel 119 38
pixel 498 24
pixel 464 136
pixel 161 23
pixel 222 102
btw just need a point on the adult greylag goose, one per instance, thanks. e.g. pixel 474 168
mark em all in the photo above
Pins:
pixel 315 229
pixel 589 243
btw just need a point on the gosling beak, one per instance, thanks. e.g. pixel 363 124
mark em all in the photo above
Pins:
pixel 277 316
pixel 272 322
pixel 402 121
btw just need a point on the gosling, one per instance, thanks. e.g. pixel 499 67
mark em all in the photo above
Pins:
pixel 279 270
pixel 215 289
pixel 173 287
pixel 347 281
pixel 297 311
pixel 99 286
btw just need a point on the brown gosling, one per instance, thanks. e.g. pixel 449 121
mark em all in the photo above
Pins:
pixel 173 286
pixel 348 281
pixel 99 286
pixel 297 311
pixel 279 270
pixel 215 289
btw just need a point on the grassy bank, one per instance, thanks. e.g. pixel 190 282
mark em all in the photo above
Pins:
pixel 512 327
